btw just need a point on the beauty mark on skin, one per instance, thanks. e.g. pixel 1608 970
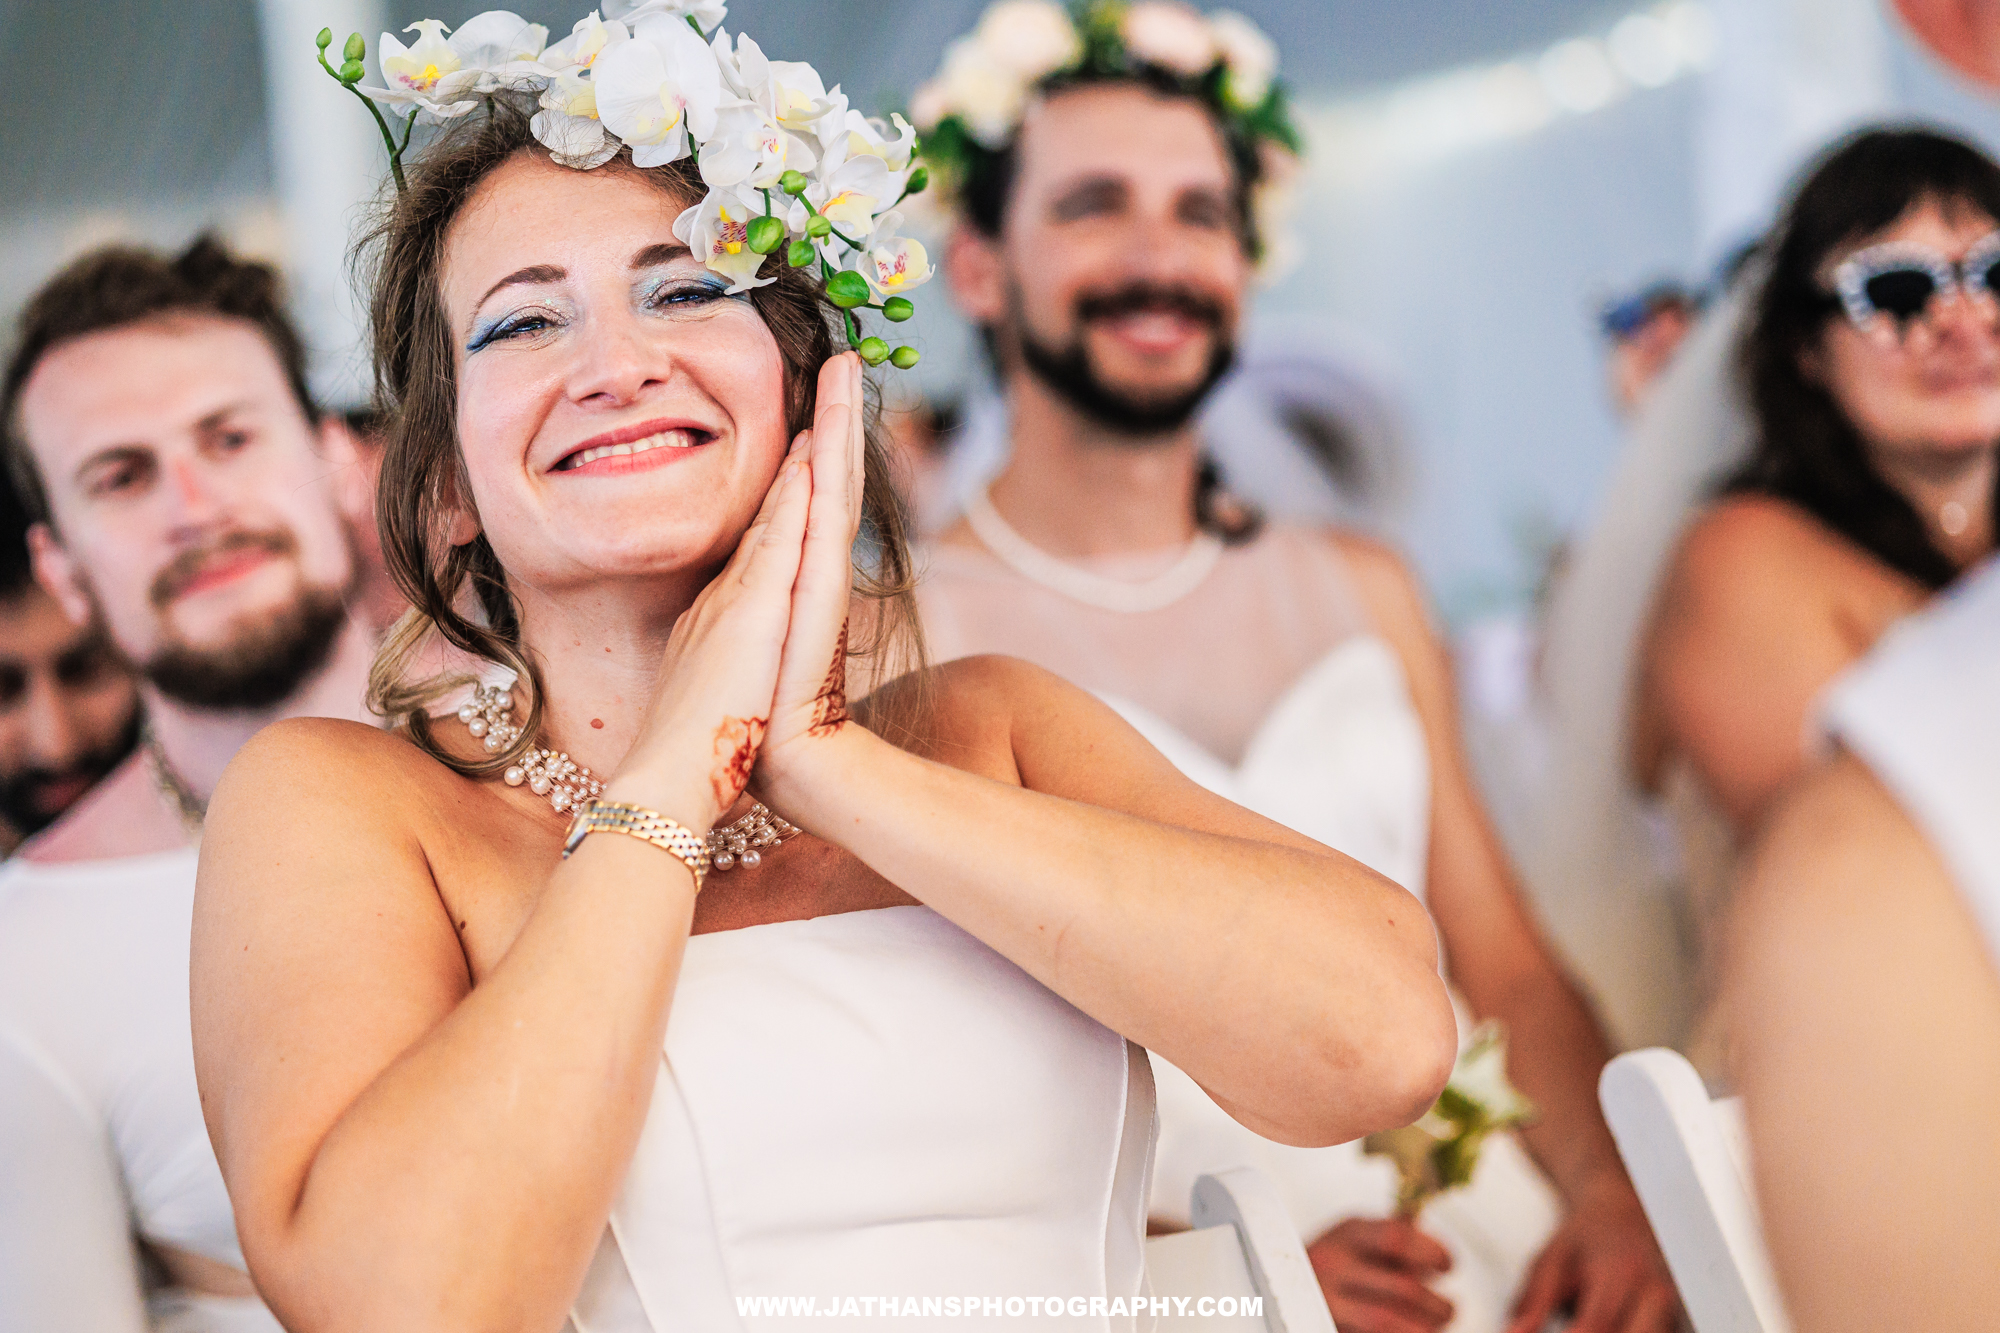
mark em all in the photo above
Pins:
pixel 736 742
pixel 830 704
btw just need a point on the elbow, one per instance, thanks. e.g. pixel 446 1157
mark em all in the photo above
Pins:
pixel 1388 1071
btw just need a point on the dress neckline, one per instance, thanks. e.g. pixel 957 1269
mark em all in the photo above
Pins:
pixel 1037 566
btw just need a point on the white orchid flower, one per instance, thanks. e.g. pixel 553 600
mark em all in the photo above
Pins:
pixel 859 136
pixel 428 75
pixel 1250 57
pixel 717 230
pixel 658 89
pixel 1034 38
pixel 850 194
pixel 790 91
pixel 987 95
pixel 502 46
pixel 749 148
pixel 588 38
pixel 568 125
pixel 1171 35
pixel 708 13
pixel 893 264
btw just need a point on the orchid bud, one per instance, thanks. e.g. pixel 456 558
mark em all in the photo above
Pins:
pixel 847 289
pixel 765 234
pixel 874 351
pixel 919 179
pixel 353 71
pixel 325 38
pixel 793 183
pixel 799 254
pixel 904 357
pixel 356 48
pixel 819 228
pixel 897 309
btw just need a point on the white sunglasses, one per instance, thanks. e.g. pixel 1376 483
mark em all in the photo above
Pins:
pixel 1901 279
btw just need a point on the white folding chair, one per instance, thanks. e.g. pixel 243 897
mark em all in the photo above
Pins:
pixel 1243 1246
pixel 1689 1158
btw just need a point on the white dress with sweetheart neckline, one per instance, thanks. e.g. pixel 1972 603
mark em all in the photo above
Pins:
pixel 1326 741
pixel 874 1104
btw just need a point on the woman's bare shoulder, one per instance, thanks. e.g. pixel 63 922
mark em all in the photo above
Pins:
pixel 329 763
pixel 970 707
pixel 1761 541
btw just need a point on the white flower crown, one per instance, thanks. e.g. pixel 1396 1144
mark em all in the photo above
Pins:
pixel 988 75
pixel 788 166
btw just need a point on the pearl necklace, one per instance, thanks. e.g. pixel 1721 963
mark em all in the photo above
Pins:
pixel 489 715
pixel 1031 562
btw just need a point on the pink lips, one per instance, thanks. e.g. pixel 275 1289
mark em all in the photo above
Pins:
pixel 642 445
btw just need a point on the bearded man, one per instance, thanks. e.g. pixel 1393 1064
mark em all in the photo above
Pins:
pixel 189 499
pixel 1104 245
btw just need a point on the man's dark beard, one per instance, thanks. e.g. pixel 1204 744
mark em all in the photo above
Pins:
pixel 266 661
pixel 20 799
pixel 1069 372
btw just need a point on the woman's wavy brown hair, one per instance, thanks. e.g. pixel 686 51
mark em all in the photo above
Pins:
pixel 459 594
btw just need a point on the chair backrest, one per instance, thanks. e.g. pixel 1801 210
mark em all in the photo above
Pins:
pixel 1689 1158
pixel 1243 1247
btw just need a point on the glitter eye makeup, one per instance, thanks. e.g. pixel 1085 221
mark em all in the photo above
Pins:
pixel 537 318
pixel 683 290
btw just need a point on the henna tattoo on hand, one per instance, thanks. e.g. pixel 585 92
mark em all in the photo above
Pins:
pixel 736 742
pixel 830 704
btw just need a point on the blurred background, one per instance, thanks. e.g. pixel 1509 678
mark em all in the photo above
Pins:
pixel 1484 181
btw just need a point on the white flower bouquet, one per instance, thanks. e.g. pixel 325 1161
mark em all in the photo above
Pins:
pixel 1440 1151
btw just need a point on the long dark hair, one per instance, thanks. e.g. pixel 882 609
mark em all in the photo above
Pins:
pixel 460 593
pixel 1806 450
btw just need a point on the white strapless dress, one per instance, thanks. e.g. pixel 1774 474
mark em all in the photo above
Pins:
pixel 1342 758
pixel 874 1104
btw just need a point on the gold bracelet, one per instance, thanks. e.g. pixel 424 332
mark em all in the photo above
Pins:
pixel 645 825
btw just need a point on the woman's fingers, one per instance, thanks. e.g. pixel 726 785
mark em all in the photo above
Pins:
pixel 769 554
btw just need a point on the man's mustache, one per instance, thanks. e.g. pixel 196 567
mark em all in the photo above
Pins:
pixel 1154 298
pixel 186 567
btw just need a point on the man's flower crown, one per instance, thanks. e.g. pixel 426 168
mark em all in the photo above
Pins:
pixel 976 100
pixel 788 166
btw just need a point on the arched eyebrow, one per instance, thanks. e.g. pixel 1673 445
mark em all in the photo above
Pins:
pixel 660 254
pixel 532 273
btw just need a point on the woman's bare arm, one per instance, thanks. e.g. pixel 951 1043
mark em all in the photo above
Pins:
pixel 405 1151
pixel 1297 986
pixel 1745 635
pixel 1868 1053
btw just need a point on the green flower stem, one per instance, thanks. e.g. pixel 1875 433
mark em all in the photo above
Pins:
pixel 765 193
pixel 826 271
pixel 388 139
pixel 853 331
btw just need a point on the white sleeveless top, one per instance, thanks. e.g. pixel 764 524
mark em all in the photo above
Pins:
pixel 1923 712
pixel 101 1133
pixel 1304 716
pixel 874 1104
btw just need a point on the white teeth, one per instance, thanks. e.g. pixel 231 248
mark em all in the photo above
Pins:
pixel 671 439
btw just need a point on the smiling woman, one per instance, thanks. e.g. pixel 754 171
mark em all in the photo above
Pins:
pixel 903 1051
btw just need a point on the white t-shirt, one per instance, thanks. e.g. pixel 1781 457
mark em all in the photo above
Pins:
pixel 101 1133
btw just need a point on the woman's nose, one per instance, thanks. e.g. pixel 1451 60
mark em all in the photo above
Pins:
pixel 618 362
